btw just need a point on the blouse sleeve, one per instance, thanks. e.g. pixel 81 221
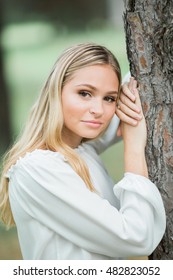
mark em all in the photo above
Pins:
pixel 51 192
pixel 108 138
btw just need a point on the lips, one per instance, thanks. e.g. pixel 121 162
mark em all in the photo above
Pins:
pixel 93 124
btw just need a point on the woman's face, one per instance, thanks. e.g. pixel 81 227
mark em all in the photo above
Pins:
pixel 88 103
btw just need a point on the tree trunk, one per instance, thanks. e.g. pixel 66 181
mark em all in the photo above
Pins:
pixel 149 37
pixel 5 129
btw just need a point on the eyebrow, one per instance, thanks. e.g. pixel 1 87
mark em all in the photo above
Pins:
pixel 94 88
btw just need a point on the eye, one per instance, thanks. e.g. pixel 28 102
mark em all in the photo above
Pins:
pixel 110 99
pixel 84 93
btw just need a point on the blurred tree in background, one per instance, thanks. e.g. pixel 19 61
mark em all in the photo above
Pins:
pixel 5 125
pixel 73 14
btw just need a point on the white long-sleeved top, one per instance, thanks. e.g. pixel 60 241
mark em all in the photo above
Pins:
pixel 58 217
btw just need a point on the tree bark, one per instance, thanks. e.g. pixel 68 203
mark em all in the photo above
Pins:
pixel 149 36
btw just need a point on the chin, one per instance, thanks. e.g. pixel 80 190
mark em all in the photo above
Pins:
pixel 91 134
pixel 89 137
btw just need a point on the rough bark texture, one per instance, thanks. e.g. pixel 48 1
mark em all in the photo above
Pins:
pixel 149 36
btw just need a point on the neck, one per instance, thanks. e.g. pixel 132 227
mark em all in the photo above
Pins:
pixel 71 140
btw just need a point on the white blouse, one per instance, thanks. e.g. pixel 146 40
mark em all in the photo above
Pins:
pixel 58 217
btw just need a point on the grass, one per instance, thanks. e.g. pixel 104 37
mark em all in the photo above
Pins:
pixel 30 50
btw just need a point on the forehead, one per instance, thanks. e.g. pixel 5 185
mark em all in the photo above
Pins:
pixel 99 73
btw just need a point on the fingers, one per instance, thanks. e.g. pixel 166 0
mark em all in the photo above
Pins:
pixel 128 96
pixel 127 89
pixel 132 84
pixel 125 118
pixel 130 110
pixel 128 107
pixel 128 103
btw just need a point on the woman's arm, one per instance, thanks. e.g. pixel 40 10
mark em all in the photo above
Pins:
pixel 135 139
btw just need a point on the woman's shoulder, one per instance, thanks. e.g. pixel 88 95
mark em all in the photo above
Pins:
pixel 37 159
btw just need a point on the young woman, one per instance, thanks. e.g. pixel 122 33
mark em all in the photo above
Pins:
pixel 54 186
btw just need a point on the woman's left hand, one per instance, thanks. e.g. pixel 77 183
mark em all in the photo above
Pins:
pixel 126 109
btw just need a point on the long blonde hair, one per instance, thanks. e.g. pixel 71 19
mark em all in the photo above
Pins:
pixel 44 127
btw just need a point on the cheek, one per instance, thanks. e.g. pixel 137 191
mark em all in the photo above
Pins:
pixel 72 108
pixel 109 112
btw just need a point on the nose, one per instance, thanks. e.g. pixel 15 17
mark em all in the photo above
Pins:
pixel 96 108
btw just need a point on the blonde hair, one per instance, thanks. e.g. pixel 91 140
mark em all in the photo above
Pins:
pixel 44 127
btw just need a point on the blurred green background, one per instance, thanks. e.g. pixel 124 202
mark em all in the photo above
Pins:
pixel 32 37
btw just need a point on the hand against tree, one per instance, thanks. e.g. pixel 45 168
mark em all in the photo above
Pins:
pixel 129 110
